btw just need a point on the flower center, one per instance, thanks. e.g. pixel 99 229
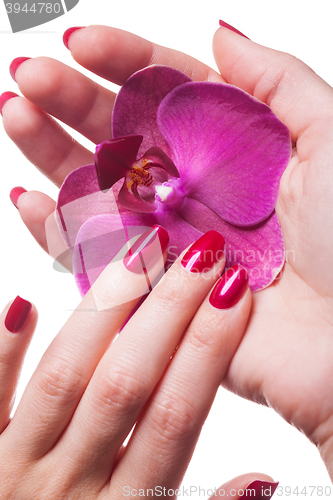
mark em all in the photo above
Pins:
pixel 168 194
pixel 140 177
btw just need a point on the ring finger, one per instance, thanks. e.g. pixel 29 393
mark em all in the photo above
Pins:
pixel 165 437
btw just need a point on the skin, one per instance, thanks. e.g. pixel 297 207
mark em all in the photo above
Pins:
pixel 285 358
pixel 88 392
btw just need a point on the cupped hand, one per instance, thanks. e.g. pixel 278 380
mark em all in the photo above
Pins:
pixel 285 358
pixel 160 374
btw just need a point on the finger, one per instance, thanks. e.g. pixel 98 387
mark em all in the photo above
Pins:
pixel 17 324
pixel 115 55
pixel 37 211
pixel 67 95
pixel 162 443
pixel 134 363
pixel 42 140
pixel 56 387
pixel 293 91
pixel 251 485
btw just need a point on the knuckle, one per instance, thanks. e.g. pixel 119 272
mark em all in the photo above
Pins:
pixel 206 339
pixel 120 390
pixel 58 380
pixel 173 418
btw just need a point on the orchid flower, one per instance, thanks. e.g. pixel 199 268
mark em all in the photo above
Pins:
pixel 189 156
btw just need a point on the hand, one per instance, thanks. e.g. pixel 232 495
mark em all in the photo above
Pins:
pixel 285 358
pixel 66 438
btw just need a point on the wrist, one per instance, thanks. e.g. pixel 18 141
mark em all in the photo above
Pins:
pixel 323 438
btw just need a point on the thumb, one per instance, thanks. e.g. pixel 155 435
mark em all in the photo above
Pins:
pixel 252 485
pixel 292 90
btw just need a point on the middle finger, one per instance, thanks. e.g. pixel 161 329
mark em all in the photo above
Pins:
pixel 135 362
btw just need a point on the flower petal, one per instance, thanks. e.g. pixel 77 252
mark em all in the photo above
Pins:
pixel 114 158
pixel 229 148
pixel 260 249
pixel 160 159
pixel 181 233
pixel 104 238
pixel 137 102
pixel 101 240
pixel 131 200
pixel 80 198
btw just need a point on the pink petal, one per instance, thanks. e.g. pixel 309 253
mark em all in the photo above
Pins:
pixel 114 158
pixel 137 102
pixel 161 159
pixel 229 148
pixel 80 198
pixel 101 240
pixel 130 200
pixel 260 249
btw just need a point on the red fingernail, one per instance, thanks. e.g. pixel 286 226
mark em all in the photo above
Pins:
pixel 260 489
pixel 146 250
pixel 17 315
pixel 15 194
pixel 15 64
pixel 204 253
pixel 231 28
pixel 5 97
pixel 230 288
pixel 68 33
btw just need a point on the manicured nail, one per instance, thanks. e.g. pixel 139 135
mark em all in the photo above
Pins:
pixel 231 28
pixel 17 315
pixel 230 288
pixel 147 249
pixel 15 194
pixel 5 97
pixel 204 253
pixel 260 489
pixel 68 33
pixel 15 64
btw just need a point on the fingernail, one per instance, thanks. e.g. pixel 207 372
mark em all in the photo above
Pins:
pixel 5 97
pixel 146 250
pixel 68 33
pixel 231 28
pixel 17 315
pixel 230 288
pixel 15 194
pixel 15 64
pixel 260 489
pixel 204 253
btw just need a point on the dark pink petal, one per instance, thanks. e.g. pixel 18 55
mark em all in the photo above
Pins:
pixel 229 148
pixel 160 159
pixel 130 200
pixel 114 158
pixel 260 249
pixel 80 198
pixel 136 105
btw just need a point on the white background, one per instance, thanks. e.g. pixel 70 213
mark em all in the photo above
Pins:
pixel 238 436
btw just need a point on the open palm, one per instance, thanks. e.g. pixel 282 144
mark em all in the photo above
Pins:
pixel 285 358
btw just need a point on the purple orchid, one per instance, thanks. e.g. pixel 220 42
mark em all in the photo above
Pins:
pixel 189 156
